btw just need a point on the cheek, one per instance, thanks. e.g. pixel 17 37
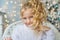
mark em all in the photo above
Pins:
pixel 24 21
pixel 32 20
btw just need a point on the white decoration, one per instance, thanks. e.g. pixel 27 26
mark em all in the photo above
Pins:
pixel 7 2
pixel 0 9
pixel 13 20
pixel 11 1
pixel 5 16
pixel 15 2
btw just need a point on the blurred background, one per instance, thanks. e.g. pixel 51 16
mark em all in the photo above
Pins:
pixel 10 12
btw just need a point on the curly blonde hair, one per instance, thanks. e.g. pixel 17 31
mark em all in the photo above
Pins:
pixel 39 12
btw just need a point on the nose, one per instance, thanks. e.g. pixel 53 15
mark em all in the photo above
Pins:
pixel 28 21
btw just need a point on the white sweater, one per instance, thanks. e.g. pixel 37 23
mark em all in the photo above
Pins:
pixel 21 32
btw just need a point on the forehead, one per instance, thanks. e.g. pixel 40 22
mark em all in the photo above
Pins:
pixel 25 9
pixel 27 13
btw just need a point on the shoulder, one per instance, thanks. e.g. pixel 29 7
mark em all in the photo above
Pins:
pixel 18 26
pixel 50 32
pixel 49 35
pixel 48 24
pixel 8 31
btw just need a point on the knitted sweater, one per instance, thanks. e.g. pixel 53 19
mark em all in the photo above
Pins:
pixel 22 32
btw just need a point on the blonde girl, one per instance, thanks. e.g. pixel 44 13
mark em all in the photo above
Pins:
pixel 34 19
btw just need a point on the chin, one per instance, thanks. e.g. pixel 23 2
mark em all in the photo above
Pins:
pixel 29 25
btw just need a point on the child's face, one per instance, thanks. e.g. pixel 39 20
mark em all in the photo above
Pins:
pixel 28 17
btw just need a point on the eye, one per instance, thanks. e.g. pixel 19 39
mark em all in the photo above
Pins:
pixel 31 16
pixel 24 18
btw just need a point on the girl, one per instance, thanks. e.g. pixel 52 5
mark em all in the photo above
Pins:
pixel 33 26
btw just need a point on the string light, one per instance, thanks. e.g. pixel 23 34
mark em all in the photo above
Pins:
pixel 15 2
pixel 0 9
pixel 7 25
pixel 54 2
pixel 21 5
pixel 11 1
pixel 13 20
pixel 14 14
pixel 7 2
pixel 7 21
pixel 5 16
